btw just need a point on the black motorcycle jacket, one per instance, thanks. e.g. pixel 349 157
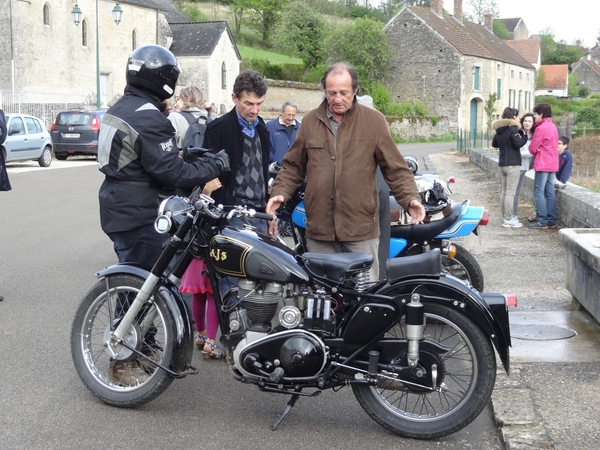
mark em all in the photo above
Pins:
pixel 138 155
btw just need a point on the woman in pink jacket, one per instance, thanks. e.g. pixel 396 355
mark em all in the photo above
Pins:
pixel 544 148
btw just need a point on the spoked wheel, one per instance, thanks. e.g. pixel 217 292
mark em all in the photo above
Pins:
pixel 465 267
pixel 459 380
pixel 126 380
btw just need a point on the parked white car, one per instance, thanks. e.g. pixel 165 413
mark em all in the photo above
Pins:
pixel 27 139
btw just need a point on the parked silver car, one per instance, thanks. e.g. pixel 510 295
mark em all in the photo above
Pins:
pixel 27 139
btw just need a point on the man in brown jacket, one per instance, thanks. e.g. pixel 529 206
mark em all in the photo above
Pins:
pixel 337 149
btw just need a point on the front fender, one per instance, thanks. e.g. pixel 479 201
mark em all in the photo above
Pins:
pixel 183 348
pixel 493 320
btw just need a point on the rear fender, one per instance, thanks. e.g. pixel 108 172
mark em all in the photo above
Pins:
pixel 491 318
pixel 183 348
pixel 465 224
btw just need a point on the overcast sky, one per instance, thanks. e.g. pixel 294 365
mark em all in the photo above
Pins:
pixel 569 19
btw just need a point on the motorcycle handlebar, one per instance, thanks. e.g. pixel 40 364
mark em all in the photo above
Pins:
pixel 265 216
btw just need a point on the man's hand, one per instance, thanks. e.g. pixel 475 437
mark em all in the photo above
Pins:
pixel 273 205
pixel 416 211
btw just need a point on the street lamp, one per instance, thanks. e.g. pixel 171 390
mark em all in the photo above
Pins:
pixel 76 14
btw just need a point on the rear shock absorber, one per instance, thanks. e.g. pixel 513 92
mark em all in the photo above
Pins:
pixel 415 326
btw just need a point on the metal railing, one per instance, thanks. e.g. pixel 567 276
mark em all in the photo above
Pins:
pixel 43 105
pixel 466 139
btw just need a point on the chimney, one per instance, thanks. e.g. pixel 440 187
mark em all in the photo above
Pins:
pixel 458 10
pixel 436 7
pixel 488 22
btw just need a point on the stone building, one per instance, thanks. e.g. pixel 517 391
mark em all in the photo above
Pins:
pixel 517 30
pixel 587 70
pixel 453 66
pixel 555 80
pixel 45 57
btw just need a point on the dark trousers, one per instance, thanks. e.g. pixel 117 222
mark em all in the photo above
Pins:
pixel 140 247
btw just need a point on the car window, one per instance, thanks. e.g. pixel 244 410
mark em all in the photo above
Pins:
pixel 73 119
pixel 16 126
pixel 38 126
pixel 30 123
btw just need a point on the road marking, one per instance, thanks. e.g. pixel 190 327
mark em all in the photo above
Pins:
pixel 31 166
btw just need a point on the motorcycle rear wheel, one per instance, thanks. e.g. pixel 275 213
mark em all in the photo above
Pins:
pixel 465 267
pixel 97 314
pixel 466 378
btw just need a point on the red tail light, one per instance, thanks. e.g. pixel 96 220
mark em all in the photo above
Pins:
pixel 511 299
pixel 484 218
pixel 53 126
pixel 95 124
pixel 451 180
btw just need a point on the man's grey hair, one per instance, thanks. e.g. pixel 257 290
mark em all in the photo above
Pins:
pixel 289 103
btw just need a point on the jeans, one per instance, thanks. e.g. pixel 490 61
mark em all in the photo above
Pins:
pixel 543 191
pixel 140 247
pixel 518 193
pixel 510 180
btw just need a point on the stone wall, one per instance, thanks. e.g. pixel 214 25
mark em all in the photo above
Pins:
pixel 426 68
pixel 577 207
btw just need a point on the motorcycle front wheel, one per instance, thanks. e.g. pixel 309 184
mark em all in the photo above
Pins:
pixel 132 380
pixel 465 377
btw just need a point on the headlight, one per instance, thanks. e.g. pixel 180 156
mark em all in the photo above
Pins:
pixel 171 211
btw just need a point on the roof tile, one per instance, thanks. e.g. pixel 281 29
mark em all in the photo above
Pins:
pixel 555 76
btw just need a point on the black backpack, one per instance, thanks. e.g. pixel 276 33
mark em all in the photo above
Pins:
pixel 194 137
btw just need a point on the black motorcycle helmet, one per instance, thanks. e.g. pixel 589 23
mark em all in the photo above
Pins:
pixel 153 69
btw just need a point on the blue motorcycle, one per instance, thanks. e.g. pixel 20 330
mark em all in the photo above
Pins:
pixel 460 220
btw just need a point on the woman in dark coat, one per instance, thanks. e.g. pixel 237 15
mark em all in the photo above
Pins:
pixel 509 139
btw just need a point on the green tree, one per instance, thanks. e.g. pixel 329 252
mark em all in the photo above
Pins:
pixel 301 32
pixel 490 109
pixel 500 30
pixel 540 78
pixel 573 85
pixel 364 45
pixel 558 52
pixel 263 15
pixel 237 8
pixel 479 8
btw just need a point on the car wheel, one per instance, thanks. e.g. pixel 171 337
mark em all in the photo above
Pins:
pixel 61 156
pixel 46 159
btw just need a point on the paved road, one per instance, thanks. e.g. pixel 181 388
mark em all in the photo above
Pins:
pixel 50 246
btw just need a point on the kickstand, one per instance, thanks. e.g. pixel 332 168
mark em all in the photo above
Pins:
pixel 286 411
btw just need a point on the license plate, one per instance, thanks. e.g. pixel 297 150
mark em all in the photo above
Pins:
pixel 71 135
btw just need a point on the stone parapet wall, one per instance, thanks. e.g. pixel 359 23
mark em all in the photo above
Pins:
pixel 577 207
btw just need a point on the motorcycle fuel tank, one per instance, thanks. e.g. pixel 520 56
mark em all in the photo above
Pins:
pixel 244 253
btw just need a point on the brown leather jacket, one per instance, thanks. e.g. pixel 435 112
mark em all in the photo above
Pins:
pixel 341 197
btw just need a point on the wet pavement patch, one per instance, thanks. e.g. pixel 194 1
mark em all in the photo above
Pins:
pixel 540 332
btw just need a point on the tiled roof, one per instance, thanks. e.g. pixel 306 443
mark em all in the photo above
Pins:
pixel 555 76
pixel 511 24
pixel 172 12
pixel 527 48
pixel 593 65
pixel 198 39
pixel 470 38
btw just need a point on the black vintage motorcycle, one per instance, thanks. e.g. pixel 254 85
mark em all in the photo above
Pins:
pixel 417 350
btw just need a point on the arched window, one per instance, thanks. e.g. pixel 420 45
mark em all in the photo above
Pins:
pixel 133 40
pixel 84 33
pixel 223 76
pixel 46 15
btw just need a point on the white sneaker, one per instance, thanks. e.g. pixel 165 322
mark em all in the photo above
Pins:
pixel 512 223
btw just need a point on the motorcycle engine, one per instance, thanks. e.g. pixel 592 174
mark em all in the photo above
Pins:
pixel 260 300
pixel 289 354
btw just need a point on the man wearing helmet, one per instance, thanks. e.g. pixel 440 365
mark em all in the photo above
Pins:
pixel 138 155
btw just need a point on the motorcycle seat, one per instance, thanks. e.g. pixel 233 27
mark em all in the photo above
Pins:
pixel 427 230
pixel 428 263
pixel 336 266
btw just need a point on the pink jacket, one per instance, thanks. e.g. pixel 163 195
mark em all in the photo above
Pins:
pixel 544 146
